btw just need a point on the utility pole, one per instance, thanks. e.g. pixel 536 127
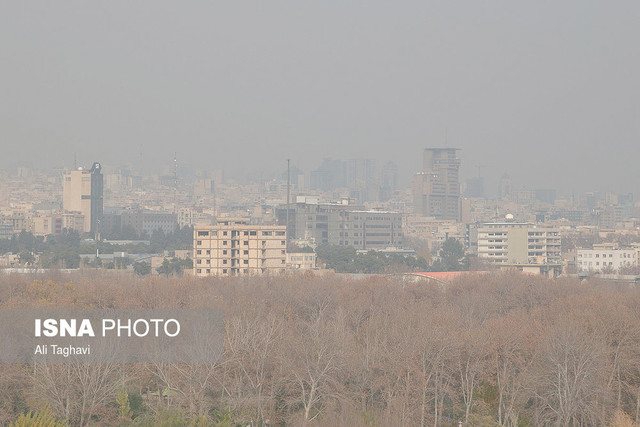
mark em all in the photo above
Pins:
pixel 175 182
pixel 288 196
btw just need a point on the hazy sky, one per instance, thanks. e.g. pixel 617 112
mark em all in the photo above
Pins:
pixel 547 91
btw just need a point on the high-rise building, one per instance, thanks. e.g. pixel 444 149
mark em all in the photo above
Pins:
pixel 82 192
pixel 235 248
pixel 436 190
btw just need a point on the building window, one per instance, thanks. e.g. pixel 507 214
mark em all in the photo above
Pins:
pixel 246 252
pixel 252 233
pixel 224 271
pixel 199 271
pixel 246 243
pixel 224 243
pixel 199 242
pixel 283 242
pixel 246 261
pixel 224 261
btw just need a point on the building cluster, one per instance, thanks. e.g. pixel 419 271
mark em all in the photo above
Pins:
pixel 239 226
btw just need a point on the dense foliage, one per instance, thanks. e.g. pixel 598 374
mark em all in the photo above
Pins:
pixel 347 260
pixel 489 349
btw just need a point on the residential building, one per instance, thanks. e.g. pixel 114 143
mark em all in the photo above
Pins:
pixel 236 248
pixel 436 190
pixel 605 256
pixel 525 246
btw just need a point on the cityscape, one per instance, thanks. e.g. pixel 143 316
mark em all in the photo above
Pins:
pixel 309 214
pixel 353 203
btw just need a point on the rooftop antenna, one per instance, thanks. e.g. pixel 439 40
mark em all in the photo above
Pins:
pixel 75 162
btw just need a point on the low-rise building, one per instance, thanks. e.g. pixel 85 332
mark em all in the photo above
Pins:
pixel 605 256
pixel 301 260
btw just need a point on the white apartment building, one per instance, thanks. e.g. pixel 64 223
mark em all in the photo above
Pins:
pixel 605 256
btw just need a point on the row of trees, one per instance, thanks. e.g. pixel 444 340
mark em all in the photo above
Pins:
pixel 347 260
pixel 63 251
pixel 489 349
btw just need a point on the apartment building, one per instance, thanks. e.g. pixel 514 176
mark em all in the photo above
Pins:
pixel 605 256
pixel 235 248
pixel 525 246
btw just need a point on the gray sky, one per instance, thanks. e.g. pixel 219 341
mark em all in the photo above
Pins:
pixel 547 91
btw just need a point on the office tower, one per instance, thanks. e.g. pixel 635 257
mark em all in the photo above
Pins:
pixel 436 190
pixel 82 192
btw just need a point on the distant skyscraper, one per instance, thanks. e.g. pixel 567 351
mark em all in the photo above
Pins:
pixel 504 188
pixel 82 192
pixel 436 190
pixel 389 180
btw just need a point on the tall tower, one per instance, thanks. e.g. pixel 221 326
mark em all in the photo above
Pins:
pixel 436 190
pixel 82 192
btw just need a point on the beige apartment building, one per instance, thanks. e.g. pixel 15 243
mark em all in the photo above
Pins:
pixel 525 246
pixel 233 247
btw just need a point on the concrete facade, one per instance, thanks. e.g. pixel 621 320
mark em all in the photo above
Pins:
pixel 436 190
pixel 235 248
pixel 82 192
pixel 342 225
pixel 518 243
pixel 605 256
